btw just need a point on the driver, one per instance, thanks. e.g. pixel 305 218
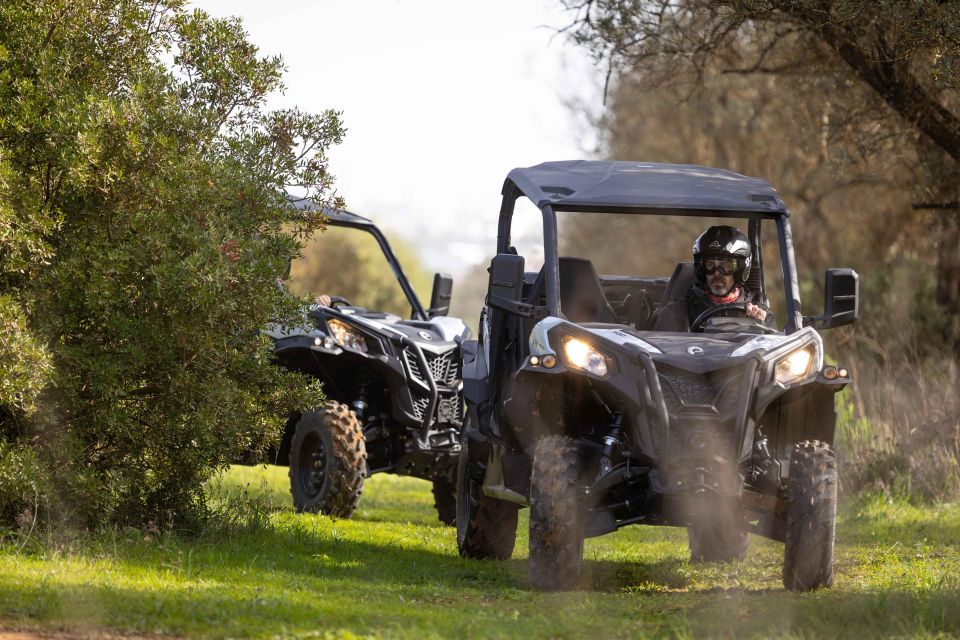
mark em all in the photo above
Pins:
pixel 721 264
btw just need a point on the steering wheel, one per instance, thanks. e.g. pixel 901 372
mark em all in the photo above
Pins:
pixel 697 325
pixel 335 300
pixel 338 300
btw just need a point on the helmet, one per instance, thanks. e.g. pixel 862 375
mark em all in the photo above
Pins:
pixel 722 240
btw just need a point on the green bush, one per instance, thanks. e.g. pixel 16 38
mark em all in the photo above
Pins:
pixel 24 363
pixel 23 484
pixel 144 185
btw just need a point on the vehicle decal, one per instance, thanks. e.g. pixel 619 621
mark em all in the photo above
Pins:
pixel 539 342
pixel 621 337
pixel 765 343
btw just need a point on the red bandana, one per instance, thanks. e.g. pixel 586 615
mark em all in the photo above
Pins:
pixel 733 296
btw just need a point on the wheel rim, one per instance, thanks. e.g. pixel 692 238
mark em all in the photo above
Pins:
pixel 313 465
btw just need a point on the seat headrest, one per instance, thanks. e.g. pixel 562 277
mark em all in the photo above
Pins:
pixel 581 296
pixel 682 278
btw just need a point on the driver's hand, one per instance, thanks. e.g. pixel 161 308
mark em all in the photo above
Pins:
pixel 755 312
pixel 322 300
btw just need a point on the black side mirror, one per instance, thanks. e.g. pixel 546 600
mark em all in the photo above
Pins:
pixel 841 293
pixel 506 287
pixel 506 280
pixel 440 296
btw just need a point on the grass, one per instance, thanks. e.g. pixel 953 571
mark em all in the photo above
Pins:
pixel 393 572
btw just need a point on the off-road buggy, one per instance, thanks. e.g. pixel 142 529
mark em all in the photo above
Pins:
pixel 582 407
pixel 394 394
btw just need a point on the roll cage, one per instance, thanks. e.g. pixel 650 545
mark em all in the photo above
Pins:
pixel 342 218
pixel 592 186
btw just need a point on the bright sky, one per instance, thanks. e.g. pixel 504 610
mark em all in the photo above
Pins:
pixel 440 98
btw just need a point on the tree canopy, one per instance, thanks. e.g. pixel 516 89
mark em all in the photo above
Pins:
pixel 144 224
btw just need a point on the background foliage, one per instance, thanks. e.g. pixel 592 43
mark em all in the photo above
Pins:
pixel 850 109
pixel 142 202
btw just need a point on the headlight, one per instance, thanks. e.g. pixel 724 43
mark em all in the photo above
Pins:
pixel 581 355
pixel 795 366
pixel 347 336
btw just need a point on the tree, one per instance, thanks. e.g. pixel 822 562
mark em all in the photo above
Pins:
pixel 142 187
pixel 908 53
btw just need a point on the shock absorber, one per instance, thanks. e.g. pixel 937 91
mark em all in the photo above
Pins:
pixel 761 460
pixel 359 404
pixel 610 441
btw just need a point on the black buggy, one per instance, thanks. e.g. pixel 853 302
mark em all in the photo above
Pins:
pixel 394 394
pixel 583 406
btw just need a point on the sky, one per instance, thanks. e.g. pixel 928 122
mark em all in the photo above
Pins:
pixel 440 100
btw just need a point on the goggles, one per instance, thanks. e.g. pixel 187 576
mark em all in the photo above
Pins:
pixel 726 265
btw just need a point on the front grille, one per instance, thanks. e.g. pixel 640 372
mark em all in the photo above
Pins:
pixel 444 368
pixel 420 406
pixel 413 364
pixel 450 410
pixel 721 389
pixel 702 409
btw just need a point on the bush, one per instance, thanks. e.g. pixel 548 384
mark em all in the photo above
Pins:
pixel 899 424
pixel 145 184
pixel 24 363
pixel 23 483
pixel 906 442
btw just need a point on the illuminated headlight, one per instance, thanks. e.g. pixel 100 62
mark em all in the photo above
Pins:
pixel 581 355
pixel 795 366
pixel 347 336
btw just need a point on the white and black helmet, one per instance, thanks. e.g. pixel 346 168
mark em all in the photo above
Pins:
pixel 723 240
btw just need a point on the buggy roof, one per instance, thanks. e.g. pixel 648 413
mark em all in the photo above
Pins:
pixel 602 184
pixel 335 215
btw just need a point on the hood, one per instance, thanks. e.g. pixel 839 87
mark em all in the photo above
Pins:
pixel 695 351
pixel 436 335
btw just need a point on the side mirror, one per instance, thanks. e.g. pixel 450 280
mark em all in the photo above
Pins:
pixel 440 296
pixel 506 280
pixel 506 287
pixel 841 293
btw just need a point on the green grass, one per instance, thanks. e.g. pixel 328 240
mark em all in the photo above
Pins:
pixel 393 571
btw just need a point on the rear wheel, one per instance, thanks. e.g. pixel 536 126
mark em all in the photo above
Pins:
pixel 486 527
pixel 811 517
pixel 445 500
pixel 328 460
pixel 556 526
pixel 717 538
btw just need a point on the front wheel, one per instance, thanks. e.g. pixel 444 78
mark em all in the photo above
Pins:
pixel 811 517
pixel 445 500
pixel 328 459
pixel 486 527
pixel 556 525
